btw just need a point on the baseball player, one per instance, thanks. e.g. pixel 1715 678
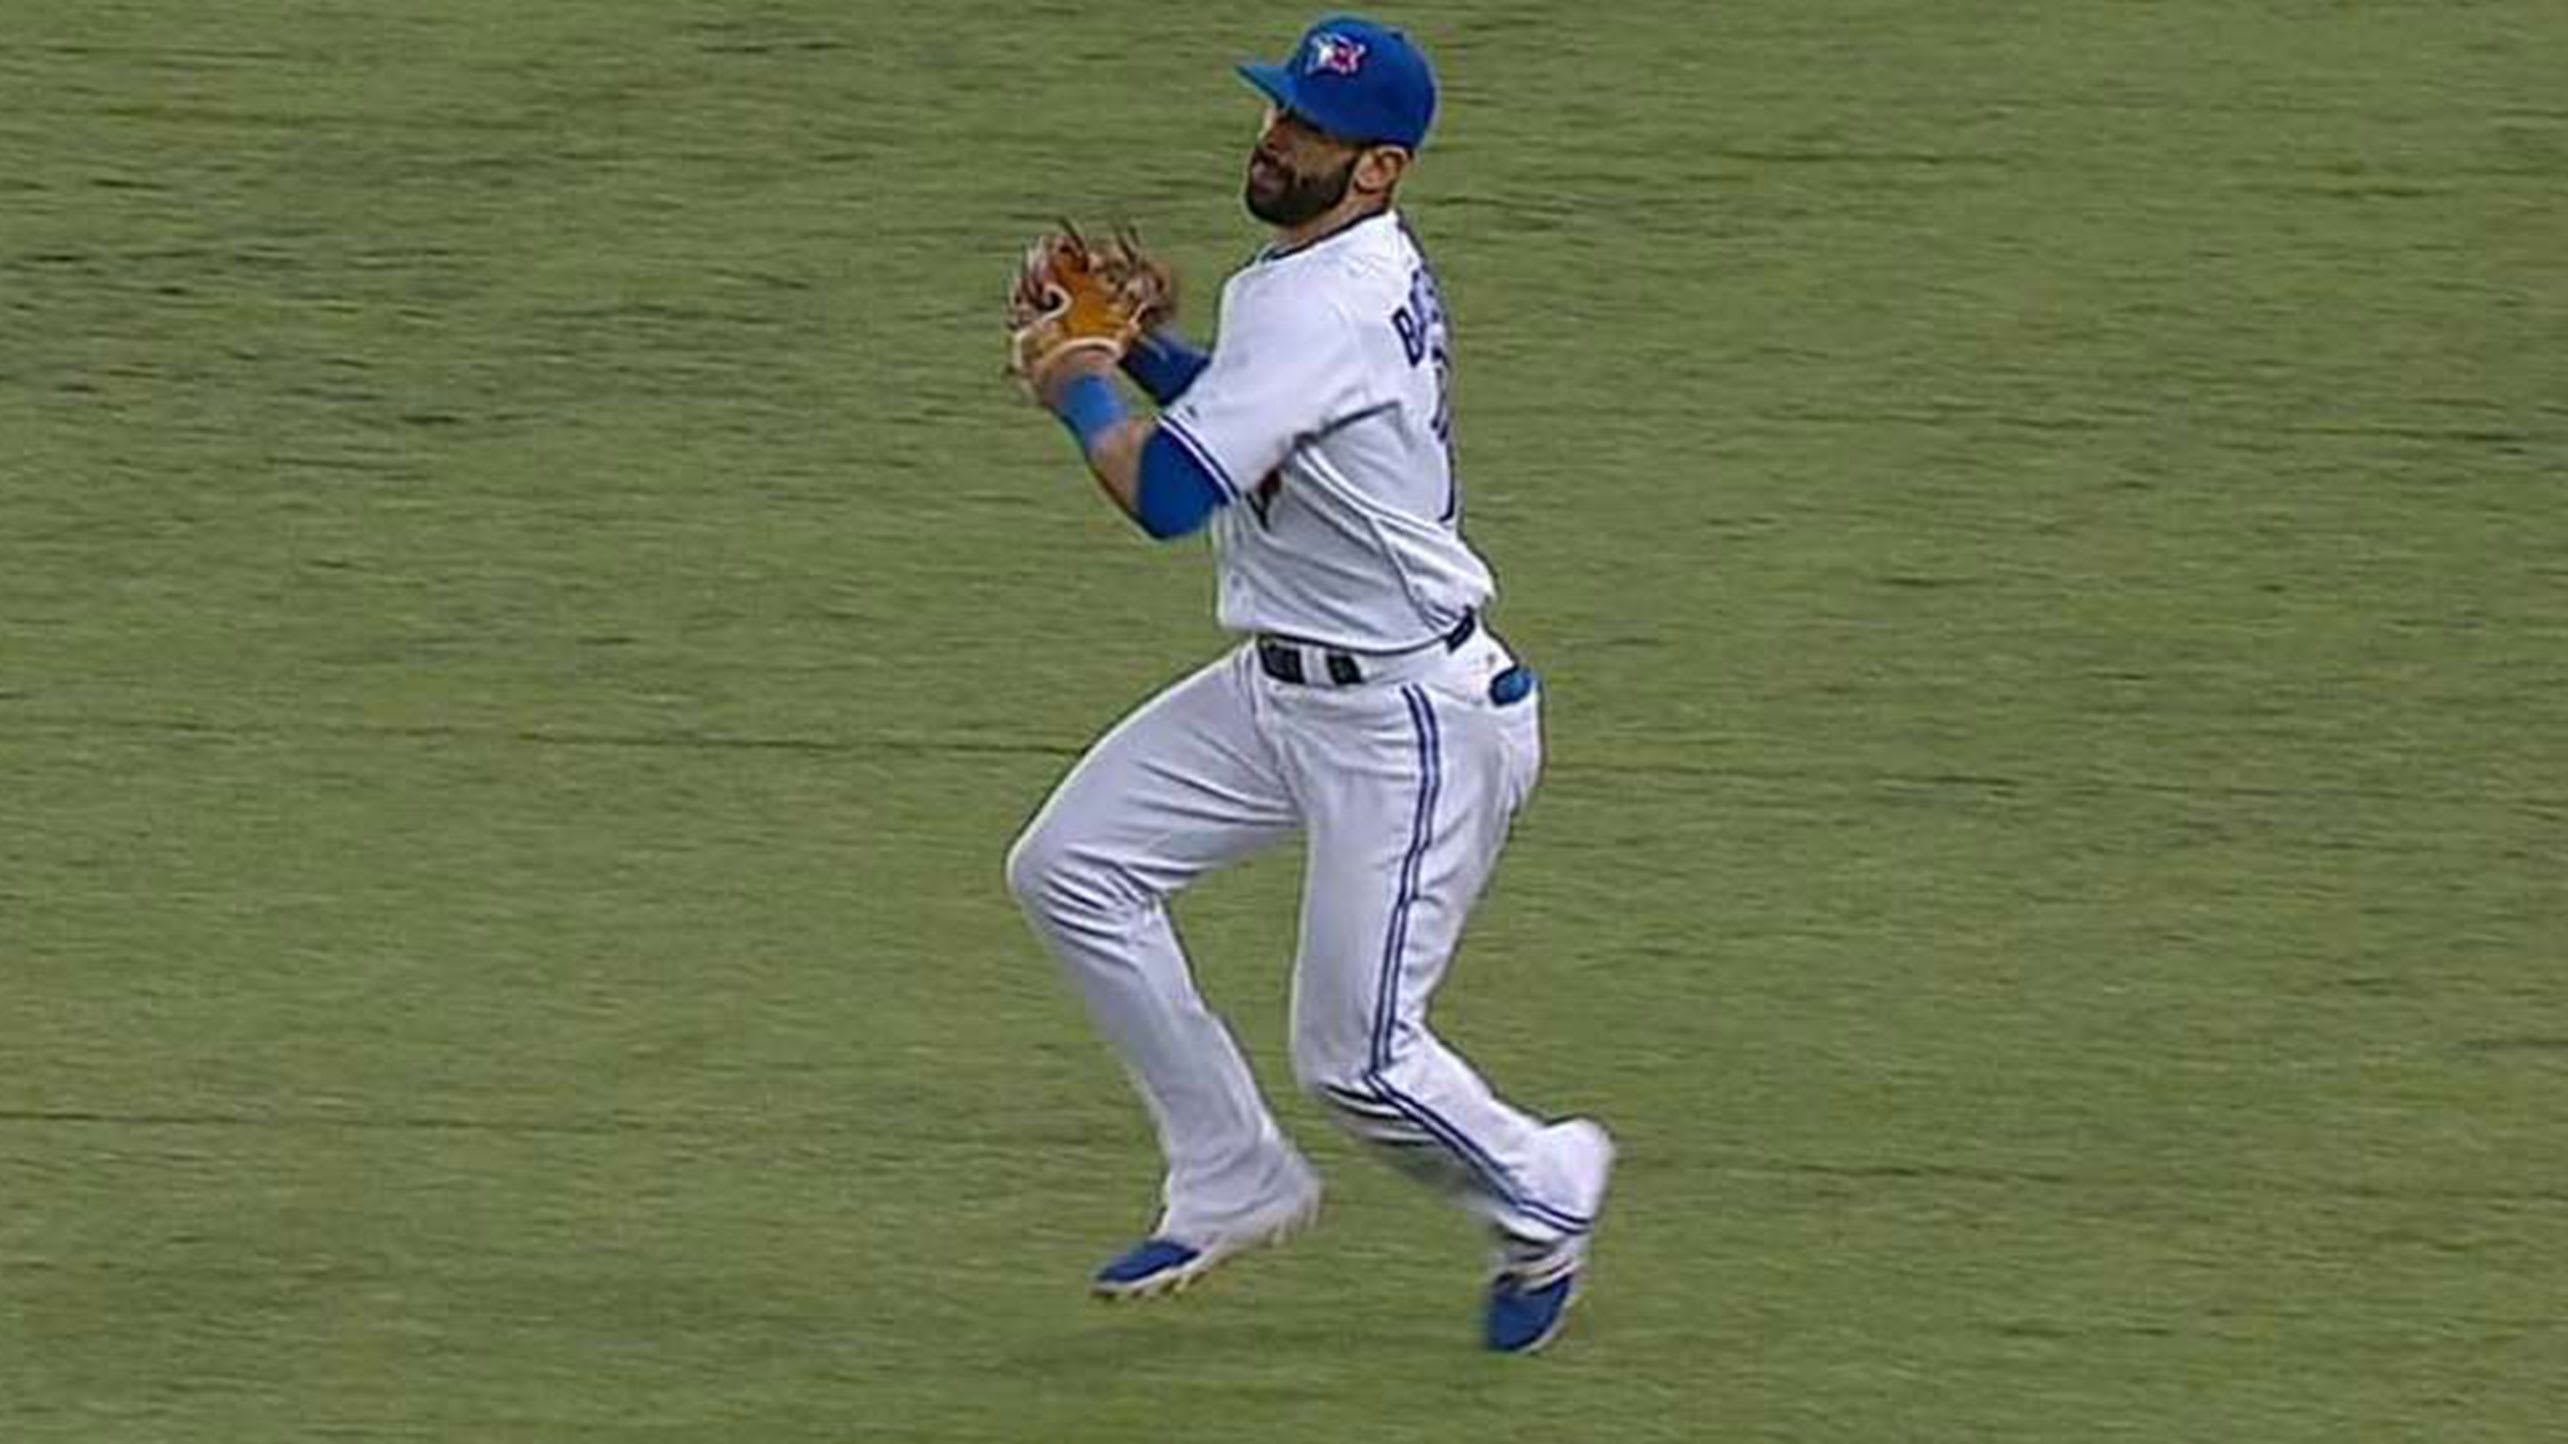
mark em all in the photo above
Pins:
pixel 1367 707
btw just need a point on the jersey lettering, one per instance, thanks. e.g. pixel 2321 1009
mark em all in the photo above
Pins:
pixel 1421 319
pixel 1425 336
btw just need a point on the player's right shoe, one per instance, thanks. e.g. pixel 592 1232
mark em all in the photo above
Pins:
pixel 1534 1283
pixel 1162 1264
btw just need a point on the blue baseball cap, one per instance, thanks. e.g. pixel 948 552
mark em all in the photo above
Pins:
pixel 1357 80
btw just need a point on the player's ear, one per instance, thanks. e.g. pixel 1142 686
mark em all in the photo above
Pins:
pixel 1379 169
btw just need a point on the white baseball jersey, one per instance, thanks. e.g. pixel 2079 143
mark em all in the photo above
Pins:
pixel 1324 415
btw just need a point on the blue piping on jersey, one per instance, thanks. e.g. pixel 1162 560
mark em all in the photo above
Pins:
pixel 1343 422
pixel 1175 430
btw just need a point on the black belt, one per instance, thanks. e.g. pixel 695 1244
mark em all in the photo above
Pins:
pixel 1281 657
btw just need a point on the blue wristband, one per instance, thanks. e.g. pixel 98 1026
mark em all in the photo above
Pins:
pixel 1090 408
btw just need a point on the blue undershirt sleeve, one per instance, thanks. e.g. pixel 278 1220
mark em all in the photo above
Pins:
pixel 1176 494
pixel 1162 364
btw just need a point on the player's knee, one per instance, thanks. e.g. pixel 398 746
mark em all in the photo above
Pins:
pixel 1048 871
pixel 1036 862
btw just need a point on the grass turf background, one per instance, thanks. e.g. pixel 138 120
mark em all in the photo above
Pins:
pixel 527 621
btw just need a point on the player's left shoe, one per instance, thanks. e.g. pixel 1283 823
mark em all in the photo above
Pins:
pixel 1529 1298
pixel 1162 1265
pixel 1535 1283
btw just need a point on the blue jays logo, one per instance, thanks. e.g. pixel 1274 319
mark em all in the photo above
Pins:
pixel 1335 54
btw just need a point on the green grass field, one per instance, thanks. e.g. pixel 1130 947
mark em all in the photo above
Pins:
pixel 528 620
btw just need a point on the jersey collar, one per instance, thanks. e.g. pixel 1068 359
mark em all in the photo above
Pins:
pixel 1271 252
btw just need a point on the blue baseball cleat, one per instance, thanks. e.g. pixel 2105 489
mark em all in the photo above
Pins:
pixel 1529 1298
pixel 1161 1265
pixel 1148 1266
pixel 1536 1282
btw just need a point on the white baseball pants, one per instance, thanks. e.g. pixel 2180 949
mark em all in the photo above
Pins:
pixel 1403 787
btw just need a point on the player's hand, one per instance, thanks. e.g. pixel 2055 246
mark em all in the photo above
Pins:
pixel 1072 298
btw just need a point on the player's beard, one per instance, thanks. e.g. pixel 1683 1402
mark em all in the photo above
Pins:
pixel 1292 198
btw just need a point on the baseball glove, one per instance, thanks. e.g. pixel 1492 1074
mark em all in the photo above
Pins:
pixel 1071 295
